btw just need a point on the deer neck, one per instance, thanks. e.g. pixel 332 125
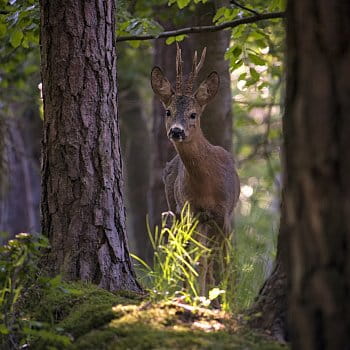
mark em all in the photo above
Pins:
pixel 194 155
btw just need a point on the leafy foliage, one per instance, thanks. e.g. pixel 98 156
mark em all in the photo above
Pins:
pixel 19 260
pixel 19 23
pixel 19 50
pixel 258 142
pixel 183 3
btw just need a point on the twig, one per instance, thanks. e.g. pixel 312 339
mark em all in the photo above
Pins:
pixel 244 8
pixel 201 29
pixel 257 104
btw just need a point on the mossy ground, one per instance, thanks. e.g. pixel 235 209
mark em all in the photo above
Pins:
pixel 96 319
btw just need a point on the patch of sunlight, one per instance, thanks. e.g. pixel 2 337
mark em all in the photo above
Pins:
pixel 247 191
pixel 247 267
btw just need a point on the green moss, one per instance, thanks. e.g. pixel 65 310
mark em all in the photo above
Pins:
pixel 97 319
pixel 56 304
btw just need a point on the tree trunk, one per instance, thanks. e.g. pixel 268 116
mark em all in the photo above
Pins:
pixel 136 153
pixel 217 118
pixel 269 312
pixel 20 174
pixel 82 203
pixel 317 192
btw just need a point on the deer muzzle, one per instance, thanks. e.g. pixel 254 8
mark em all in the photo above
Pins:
pixel 176 134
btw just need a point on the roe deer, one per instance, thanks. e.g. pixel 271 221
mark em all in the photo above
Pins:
pixel 201 174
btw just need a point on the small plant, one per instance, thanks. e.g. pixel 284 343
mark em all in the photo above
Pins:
pixel 177 252
pixel 19 270
pixel 18 261
pixel 228 276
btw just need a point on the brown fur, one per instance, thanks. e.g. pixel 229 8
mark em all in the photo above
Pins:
pixel 201 174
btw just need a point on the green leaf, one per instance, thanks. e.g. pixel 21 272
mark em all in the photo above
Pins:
pixel 237 51
pixel 3 329
pixel 179 38
pixel 16 38
pixel 170 40
pixel 56 281
pixel 242 76
pixel 182 3
pixel 255 75
pixel 256 59
pixel 3 28
pixel 234 64
pixel 25 43
pixel 215 292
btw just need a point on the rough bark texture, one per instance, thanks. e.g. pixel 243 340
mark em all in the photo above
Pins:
pixel 136 151
pixel 317 192
pixel 82 203
pixel 217 118
pixel 269 312
pixel 20 172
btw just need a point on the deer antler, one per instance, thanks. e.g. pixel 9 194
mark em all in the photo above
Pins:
pixel 195 70
pixel 178 69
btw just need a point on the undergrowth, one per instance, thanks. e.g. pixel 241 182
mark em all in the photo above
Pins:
pixel 44 313
pixel 19 274
pixel 177 252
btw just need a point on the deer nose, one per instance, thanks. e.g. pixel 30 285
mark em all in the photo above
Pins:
pixel 176 133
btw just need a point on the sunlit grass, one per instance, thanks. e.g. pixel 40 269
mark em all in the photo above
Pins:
pixel 177 252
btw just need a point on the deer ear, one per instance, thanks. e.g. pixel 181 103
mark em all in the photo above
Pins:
pixel 208 89
pixel 161 86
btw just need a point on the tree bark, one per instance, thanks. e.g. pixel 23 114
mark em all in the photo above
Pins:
pixel 82 203
pixel 217 118
pixel 317 192
pixel 20 172
pixel 135 143
pixel 269 311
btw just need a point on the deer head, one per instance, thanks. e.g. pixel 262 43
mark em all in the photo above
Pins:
pixel 183 107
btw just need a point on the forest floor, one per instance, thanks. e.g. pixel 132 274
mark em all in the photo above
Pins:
pixel 96 319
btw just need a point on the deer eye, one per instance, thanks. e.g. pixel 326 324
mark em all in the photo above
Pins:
pixel 168 113
pixel 193 116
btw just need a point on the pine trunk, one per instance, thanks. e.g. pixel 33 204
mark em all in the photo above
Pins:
pixel 317 192
pixel 269 312
pixel 82 203
pixel 136 154
pixel 20 172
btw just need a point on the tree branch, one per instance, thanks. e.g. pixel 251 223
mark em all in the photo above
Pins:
pixel 201 29
pixel 233 2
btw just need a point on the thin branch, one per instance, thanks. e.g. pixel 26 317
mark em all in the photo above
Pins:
pixel 257 104
pixel 233 2
pixel 201 29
